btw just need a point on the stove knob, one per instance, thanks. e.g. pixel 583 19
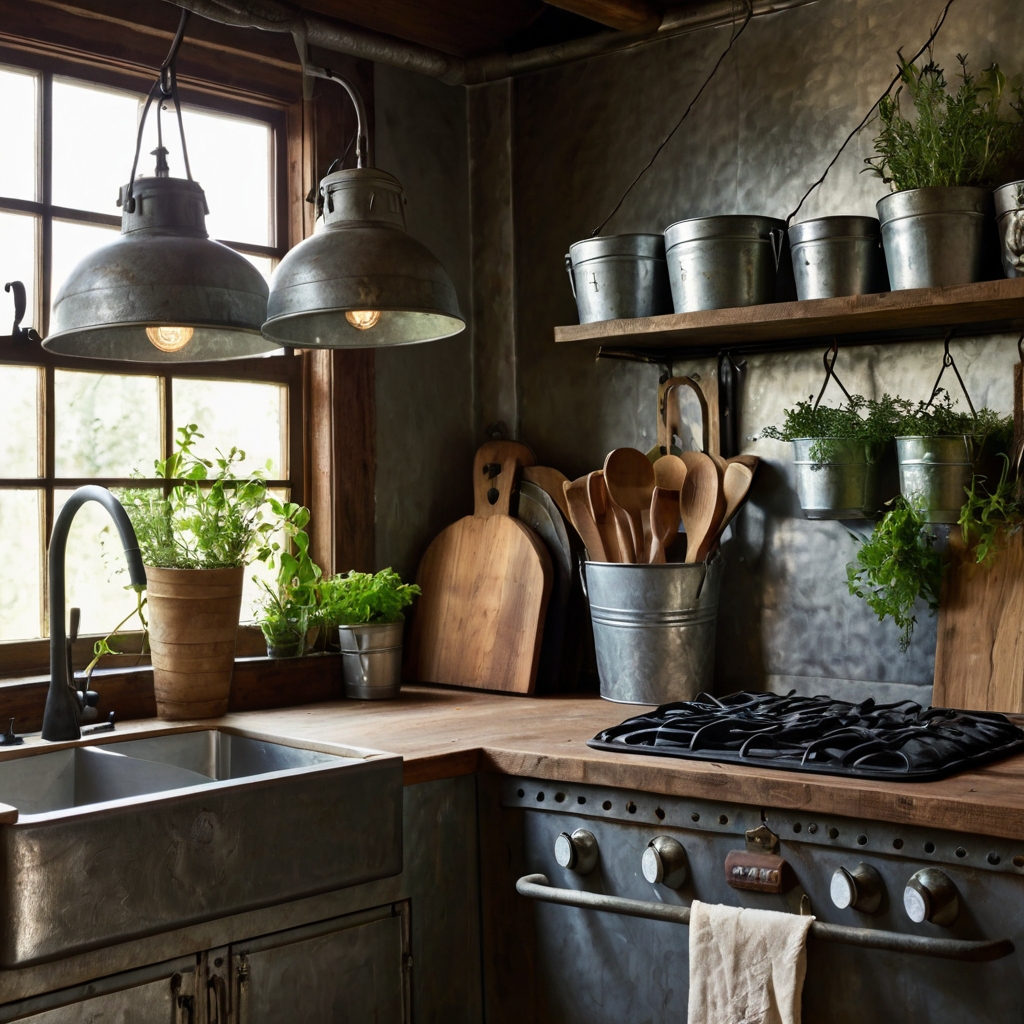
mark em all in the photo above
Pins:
pixel 664 861
pixel 931 896
pixel 577 852
pixel 860 889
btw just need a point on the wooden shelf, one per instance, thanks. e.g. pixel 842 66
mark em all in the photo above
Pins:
pixel 863 319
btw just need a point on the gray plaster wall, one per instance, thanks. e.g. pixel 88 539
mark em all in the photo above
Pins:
pixel 795 84
pixel 424 392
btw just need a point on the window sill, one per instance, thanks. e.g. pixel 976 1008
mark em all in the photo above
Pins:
pixel 258 683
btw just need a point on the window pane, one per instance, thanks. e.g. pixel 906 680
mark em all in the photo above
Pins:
pixel 19 421
pixel 19 92
pixel 95 569
pixel 18 263
pixel 230 158
pixel 264 264
pixel 94 133
pixel 21 570
pixel 71 244
pixel 105 424
pixel 232 414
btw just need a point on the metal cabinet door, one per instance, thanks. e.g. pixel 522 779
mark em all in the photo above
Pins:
pixel 350 970
pixel 162 994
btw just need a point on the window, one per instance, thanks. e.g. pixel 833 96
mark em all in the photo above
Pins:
pixel 65 422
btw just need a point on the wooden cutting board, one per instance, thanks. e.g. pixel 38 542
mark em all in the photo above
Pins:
pixel 979 653
pixel 486 581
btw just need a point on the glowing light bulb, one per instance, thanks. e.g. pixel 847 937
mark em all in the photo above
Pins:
pixel 363 319
pixel 169 339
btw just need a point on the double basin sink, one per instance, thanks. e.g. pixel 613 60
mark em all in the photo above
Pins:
pixel 116 840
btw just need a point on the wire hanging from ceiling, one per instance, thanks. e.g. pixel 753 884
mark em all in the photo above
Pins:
pixel 737 32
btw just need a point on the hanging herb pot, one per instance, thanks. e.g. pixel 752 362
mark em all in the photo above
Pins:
pixel 1010 222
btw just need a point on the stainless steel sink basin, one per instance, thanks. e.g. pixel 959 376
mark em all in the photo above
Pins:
pixel 132 837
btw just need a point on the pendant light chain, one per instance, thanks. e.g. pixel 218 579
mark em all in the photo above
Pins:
pixel 166 87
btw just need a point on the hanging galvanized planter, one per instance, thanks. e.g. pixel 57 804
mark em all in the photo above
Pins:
pixel 844 487
pixel 1010 222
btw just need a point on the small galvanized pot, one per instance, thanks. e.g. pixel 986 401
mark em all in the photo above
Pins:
pixel 615 277
pixel 846 487
pixel 371 659
pixel 654 628
pixel 722 262
pixel 838 256
pixel 934 236
pixel 935 472
pixel 1010 222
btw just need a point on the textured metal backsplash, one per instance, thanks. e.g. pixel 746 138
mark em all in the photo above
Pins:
pixel 784 100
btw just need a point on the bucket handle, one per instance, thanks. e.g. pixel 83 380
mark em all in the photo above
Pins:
pixel 568 270
pixel 947 360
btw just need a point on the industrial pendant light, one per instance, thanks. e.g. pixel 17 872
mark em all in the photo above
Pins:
pixel 164 291
pixel 359 281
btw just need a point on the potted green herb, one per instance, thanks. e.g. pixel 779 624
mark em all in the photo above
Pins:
pixel 941 167
pixel 940 449
pixel 288 609
pixel 196 540
pixel 366 610
pixel 836 453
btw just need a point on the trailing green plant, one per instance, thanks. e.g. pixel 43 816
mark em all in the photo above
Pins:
pixel 956 137
pixel 209 518
pixel 104 647
pixel 988 517
pixel 897 566
pixel 361 597
pixel 869 421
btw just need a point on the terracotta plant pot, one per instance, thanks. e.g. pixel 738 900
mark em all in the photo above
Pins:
pixel 193 622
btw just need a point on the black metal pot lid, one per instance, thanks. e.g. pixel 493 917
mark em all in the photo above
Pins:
pixel 903 740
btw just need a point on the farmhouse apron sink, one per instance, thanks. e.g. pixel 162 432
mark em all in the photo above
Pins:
pixel 117 840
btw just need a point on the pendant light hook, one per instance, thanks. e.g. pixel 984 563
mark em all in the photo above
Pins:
pixel 363 158
pixel 164 88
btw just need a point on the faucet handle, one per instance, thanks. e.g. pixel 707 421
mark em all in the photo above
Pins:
pixel 76 621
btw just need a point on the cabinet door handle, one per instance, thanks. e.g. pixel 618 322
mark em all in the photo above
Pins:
pixel 217 1000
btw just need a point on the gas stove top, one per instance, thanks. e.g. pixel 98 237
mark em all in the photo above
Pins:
pixel 818 734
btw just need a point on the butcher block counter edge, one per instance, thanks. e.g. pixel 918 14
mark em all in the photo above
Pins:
pixel 444 733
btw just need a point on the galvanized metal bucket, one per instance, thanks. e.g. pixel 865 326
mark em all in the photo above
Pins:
pixel 615 277
pixel 838 256
pixel 654 629
pixel 934 473
pixel 371 660
pixel 934 236
pixel 721 262
pixel 1010 222
pixel 846 487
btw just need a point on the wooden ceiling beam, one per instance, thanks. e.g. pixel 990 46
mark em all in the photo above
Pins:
pixel 625 15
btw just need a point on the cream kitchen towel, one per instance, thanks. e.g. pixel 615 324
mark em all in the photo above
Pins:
pixel 746 966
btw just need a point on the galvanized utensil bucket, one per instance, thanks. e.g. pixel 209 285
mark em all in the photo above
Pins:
pixel 934 472
pixel 721 262
pixel 371 659
pixel 845 487
pixel 934 236
pixel 838 256
pixel 654 629
pixel 1010 222
pixel 615 277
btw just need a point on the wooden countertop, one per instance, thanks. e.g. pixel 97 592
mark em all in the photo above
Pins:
pixel 443 733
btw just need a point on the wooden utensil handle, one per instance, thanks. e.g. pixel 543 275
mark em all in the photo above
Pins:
pixel 496 474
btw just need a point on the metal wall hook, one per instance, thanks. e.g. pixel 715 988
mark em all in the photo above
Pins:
pixel 1020 346
pixel 948 361
pixel 829 359
pixel 20 334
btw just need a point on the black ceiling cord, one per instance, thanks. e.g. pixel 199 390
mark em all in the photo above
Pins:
pixel 737 32
pixel 867 117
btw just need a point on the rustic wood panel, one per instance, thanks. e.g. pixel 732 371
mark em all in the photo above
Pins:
pixel 987 303
pixel 979 654
pixel 625 15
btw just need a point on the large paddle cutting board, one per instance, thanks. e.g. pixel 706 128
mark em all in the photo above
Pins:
pixel 486 581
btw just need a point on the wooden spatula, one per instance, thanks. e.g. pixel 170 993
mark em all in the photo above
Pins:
pixel 664 522
pixel 629 477
pixel 670 472
pixel 601 513
pixel 574 494
pixel 701 504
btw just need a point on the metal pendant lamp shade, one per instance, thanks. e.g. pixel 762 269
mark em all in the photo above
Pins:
pixel 164 291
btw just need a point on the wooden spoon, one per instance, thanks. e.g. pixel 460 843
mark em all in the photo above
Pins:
pixel 664 522
pixel 701 504
pixel 670 472
pixel 750 461
pixel 600 512
pixel 735 486
pixel 575 495
pixel 629 477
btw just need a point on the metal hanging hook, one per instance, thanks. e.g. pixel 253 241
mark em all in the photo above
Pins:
pixel 948 361
pixel 829 359
pixel 1020 346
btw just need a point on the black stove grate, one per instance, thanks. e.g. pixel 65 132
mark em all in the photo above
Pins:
pixel 818 734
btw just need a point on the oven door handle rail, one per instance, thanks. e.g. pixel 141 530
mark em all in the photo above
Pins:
pixel 537 887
